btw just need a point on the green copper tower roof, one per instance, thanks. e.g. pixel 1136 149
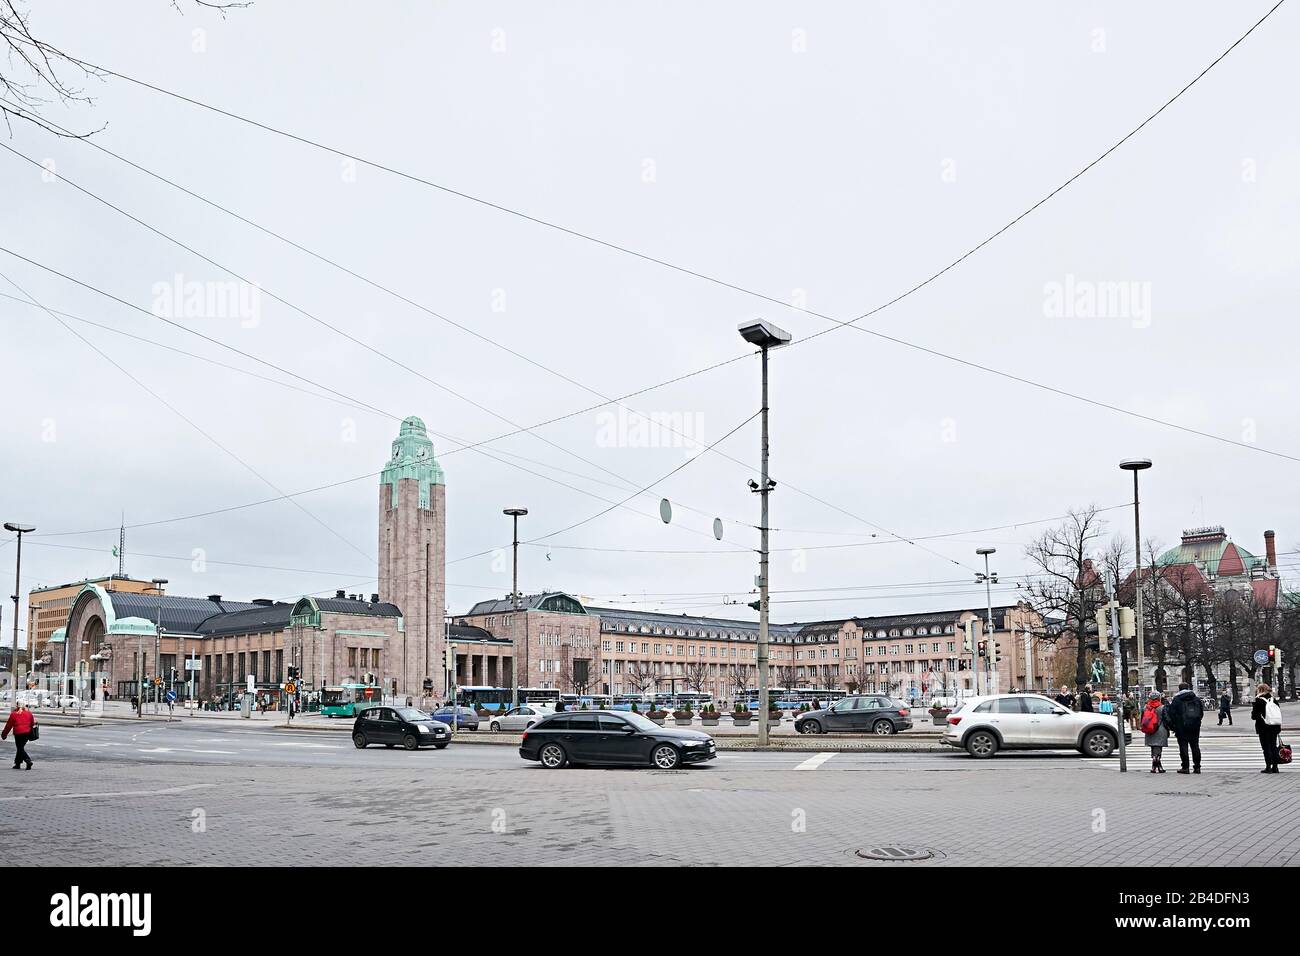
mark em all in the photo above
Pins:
pixel 412 457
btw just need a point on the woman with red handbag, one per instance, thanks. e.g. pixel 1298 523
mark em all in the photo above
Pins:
pixel 1268 725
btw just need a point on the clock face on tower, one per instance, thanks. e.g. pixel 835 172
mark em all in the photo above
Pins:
pixel 397 452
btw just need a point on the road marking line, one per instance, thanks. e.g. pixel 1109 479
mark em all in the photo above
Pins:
pixel 815 761
pixel 185 750
pixel 117 793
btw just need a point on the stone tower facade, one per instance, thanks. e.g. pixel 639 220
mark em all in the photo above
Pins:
pixel 413 558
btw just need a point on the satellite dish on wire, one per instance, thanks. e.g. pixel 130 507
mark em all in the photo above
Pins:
pixel 666 510
pixel 717 528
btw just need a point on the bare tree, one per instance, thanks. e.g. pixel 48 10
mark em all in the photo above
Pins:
pixel 577 676
pixel 739 680
pixel 697 676
pixel 33 73
pixel 640 676
pixel 1066 589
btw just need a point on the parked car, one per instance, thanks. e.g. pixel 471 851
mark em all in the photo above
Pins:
pixel 391 726
pixel 985 725
pixel 862 713
pixel 463 717
pixel 67 700
pixel 520 718
pixel 608 738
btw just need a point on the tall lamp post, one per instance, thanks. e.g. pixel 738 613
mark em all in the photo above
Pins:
pixel 20 530
pixel 157 643
pixel 514 514
pixel 767 337
pixel 1135 465
pixel 988 579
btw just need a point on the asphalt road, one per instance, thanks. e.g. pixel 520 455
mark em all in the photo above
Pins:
pixel 227 793
pixel 240 745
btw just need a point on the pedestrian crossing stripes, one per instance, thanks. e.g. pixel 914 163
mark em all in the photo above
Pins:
pixel 1219 754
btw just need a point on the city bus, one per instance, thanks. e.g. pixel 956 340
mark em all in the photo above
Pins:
pixel 791 699
pixel 348 700
pixel 578 701
pixel 498 698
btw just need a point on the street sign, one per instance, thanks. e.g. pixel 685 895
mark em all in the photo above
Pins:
pixel 194 665
pixel 171 697
pixel 290 689
pixel 252 683
pixel 1261 657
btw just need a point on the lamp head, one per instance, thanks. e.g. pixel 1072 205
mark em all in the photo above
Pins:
pixel 1135 464
pixel 764 334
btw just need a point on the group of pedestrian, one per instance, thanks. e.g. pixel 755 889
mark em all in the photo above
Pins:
pixel 1181 715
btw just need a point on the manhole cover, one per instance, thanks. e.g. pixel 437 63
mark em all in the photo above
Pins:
pixel 895 853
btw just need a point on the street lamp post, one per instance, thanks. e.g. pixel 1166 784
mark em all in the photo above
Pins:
pixel 988 579
pixel 1135 465
pixel 157 643
pixel 20 530
pixel 767 337
pixel 515 514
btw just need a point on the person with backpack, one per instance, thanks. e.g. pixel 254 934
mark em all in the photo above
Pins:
pixel 1152 724
pixel 1085 699
pixel 1183 715
pixel 1268 725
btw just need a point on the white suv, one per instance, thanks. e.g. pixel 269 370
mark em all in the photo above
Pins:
pixel 985 725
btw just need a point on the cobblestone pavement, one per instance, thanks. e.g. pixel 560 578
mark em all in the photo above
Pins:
pixel 744 808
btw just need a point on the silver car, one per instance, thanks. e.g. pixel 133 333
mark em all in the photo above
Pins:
pixel 985 725
pixel 520 718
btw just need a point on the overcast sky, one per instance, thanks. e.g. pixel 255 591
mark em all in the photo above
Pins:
pixel 829 155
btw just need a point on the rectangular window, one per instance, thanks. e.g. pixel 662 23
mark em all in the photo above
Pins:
pixel 352 658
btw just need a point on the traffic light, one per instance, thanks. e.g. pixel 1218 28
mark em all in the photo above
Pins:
pixel 970 635
pixel 1103 629
pixel 997 652
pixel 983 650
pixel 293 672
pixel 1127 623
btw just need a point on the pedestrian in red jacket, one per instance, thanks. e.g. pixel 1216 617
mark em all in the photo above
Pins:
pixel 21 722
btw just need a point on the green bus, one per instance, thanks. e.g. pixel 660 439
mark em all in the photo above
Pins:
pixel 348 700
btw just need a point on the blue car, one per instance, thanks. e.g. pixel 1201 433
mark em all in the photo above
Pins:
pixel 462 718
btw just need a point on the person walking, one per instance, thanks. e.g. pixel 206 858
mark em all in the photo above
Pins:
pixel 1153 726
pixel 1184 713
pixel 1268 725
pixel 1225 708
pixel 22 722
pixel 1130 711
pixel 1065 698
pixel 1085 699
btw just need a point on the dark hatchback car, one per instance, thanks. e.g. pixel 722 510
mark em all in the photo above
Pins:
pixel 391 726
pixel 604 737
pixel 864 713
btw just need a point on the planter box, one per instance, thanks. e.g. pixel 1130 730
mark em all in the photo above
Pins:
pixel 682 721
pixel 741 721
pixel 709 721
pixel 658 720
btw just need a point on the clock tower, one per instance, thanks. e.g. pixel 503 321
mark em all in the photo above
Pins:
pixel 412 559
